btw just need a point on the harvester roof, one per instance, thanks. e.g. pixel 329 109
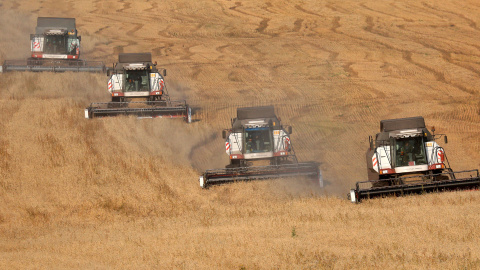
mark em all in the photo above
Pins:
pixel 255 112
pixel 134 61
pixel 135 58
pixel 252 117
pixel 45 24
pixel 402 127
pixel 402 123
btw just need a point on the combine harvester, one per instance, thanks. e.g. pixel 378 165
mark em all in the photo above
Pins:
pixel 136 77
pixel 257 135
pixel 405 158
pixel 55 47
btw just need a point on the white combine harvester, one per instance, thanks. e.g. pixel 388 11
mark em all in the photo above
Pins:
pixel 405 158
pixel 136 77
pixel 55 47
pixel 257 136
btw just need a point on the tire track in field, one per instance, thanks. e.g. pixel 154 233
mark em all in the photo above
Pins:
pixel 297 25
pixel 101 29
pixel 96 4
pixel 153 6
pixel 163 50
pixel 336 8
pixel 300 8
pixel 333 55
pixel 370 27
pixel 129 40
pixel 348 68
pixel 131 32
pixel 470 22
pixel 262 26
pixel 221 50
pixel 407 55
pixel 445 55
pixel 125 6
pixel 384 13
pixel 239 4
pixel 335 25
pixel 264 21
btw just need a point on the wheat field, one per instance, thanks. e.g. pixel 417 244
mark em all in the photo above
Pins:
pixel 123 193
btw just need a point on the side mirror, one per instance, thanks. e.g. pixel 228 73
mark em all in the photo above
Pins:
pixel 164 72
pixel 32 36
pixel 109 72
pixel 289 129
pixel 224 134
pixel 445 139
pixel 79 38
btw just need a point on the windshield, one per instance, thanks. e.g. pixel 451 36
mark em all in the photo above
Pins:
pixel 55 44
pixel 257 140
pixel 410 152
pixel 136 80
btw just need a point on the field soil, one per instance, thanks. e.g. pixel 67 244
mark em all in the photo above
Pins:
pixel 123 193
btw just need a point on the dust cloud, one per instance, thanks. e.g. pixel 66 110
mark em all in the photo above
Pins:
pixel 16 28
pixel 83 88
pixel 195 144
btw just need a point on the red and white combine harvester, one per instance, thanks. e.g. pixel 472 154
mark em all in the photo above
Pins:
pixel 55 46
pixel 406 158
pixel 135 77
pixel 257 136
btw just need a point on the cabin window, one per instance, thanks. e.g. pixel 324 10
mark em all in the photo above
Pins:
pixel 258 140
pixel 55 44
pixel 136 80
pixel 410 152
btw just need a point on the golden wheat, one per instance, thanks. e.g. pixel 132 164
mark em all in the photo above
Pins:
pixel 123 192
